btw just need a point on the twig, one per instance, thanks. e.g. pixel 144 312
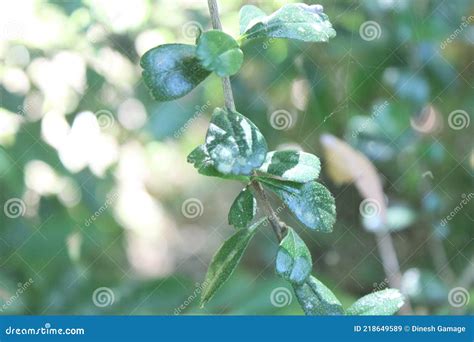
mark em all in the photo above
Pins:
pixel 230 104
pixel 440 260
pixel 272 216
pixel 391 265
pixel 467 276
pixel 226 86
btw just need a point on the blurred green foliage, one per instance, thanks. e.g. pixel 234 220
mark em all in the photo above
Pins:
pixel 99 174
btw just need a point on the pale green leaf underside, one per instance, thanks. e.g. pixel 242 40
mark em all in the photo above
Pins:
pixel 293 262
pixel 316 299
pixel 292 21
pixel 311 203
pixel 226 260
pixel 219 52
pixel 293 166
pixel 385 302
pixel 243 209
pixel 170 71
pixel 234 143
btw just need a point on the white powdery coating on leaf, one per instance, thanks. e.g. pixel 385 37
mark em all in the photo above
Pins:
pixel 310 218
pixel 216 131
pixel 225 157
pixel 247 132
pixel 317 27
pixel 307 168
pixel 283 262
pixel 390 294
pixel 300 270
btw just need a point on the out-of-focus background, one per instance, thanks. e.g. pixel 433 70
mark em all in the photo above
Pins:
pixel 101 214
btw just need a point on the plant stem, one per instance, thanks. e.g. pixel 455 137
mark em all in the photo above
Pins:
pixel 216 24
pixel 391 265
pixel 272 216
pixel 440 260
pixel 230 104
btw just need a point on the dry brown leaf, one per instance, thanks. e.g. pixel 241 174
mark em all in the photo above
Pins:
pixel 345 165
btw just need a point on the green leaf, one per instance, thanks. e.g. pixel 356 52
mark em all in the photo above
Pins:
pixel 293 262
pixel 234 143
pixel 201 160
pixel 316 299
pixel 219 52
pixel 243 209
pixel 385 302
pixel 249 16
pixel 226 260
pixel 292 21
pixel 170 71
pixel 311 202
pixel 293 166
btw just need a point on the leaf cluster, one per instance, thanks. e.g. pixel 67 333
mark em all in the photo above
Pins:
pixel 234 148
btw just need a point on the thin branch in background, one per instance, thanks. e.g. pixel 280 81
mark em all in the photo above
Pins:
pixel 440 260
pixel 467 276
pixel 391 266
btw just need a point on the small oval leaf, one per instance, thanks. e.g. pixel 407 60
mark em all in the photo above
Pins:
pixel 243 209
pixel 293 21
pixel 234 143
pixel 219 52
pixel 226 260
pixel 385 302
pixel 311 203
pixel 293 262
pixel 170 71
pixel 293 166
pixel 201 160
pixel 316 299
